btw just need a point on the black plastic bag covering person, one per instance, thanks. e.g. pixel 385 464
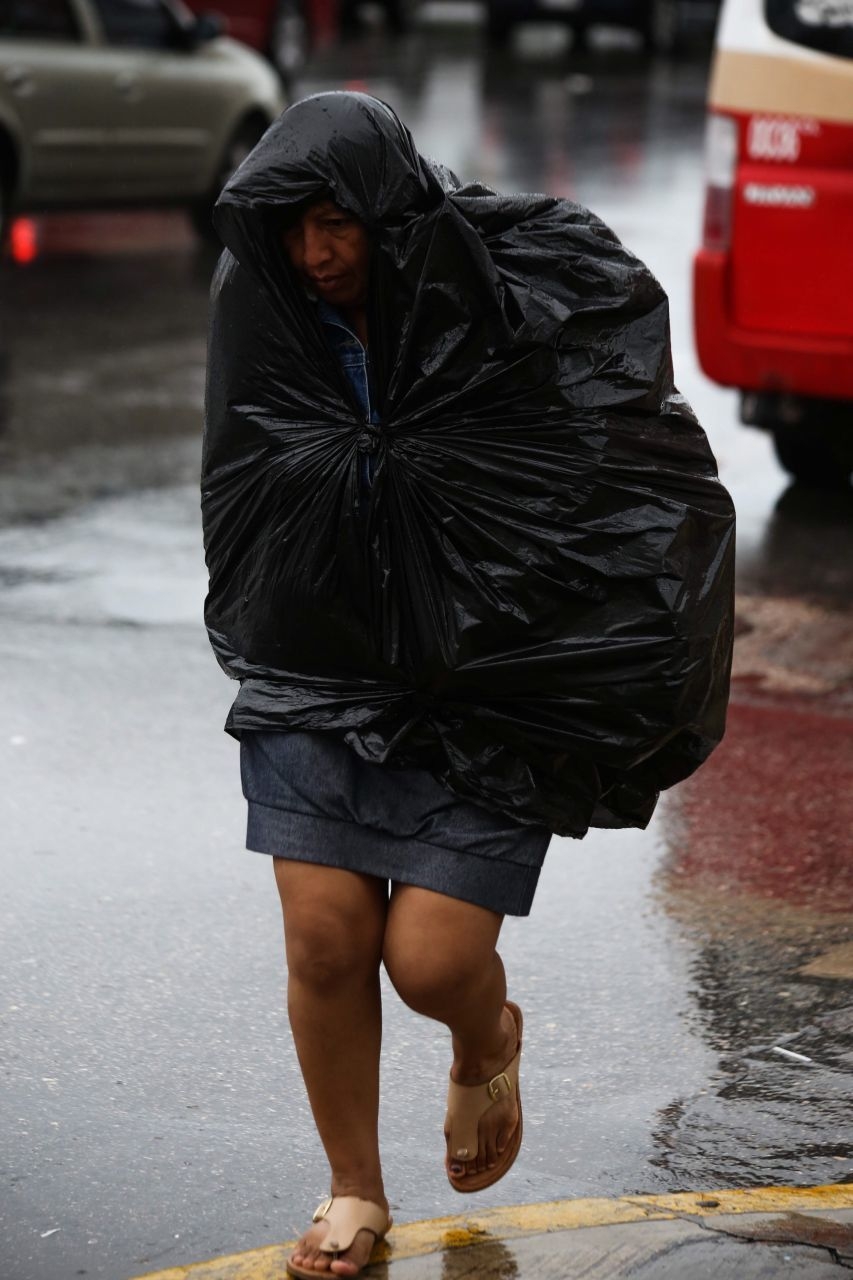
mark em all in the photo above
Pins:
pixel 536 603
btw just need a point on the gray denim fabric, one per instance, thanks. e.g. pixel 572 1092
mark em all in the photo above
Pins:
pixel 312 799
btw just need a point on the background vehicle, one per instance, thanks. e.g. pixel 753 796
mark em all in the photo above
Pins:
pixel 123 102
pixel 282 30
pixel 772 297
pixel 662 23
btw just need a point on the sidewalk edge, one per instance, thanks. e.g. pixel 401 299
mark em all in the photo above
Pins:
pixel 418 1239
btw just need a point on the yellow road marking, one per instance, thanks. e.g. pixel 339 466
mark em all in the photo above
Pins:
pixel 417 1239
pixel 837 963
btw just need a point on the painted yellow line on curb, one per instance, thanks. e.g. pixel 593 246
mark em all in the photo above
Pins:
pixel 837 963
pixel 417 1239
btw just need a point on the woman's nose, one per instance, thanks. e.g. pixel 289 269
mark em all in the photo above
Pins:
pixel 316 248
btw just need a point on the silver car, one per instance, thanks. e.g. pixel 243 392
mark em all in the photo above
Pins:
pixel 124 102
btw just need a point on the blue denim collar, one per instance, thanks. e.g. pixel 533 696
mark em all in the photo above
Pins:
pixel 329 315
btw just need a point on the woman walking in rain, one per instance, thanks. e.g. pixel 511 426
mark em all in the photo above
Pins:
pixel 471 563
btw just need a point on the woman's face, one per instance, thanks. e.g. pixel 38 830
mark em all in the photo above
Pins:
pixel 330 250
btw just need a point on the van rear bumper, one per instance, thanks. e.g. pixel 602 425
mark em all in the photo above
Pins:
pixel 752 360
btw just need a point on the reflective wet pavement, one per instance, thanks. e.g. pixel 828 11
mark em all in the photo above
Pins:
pixel 153 1109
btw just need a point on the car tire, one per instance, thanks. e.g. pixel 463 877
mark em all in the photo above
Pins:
pixel 241 142
pixel 7 170
pixel 580 37
pixel 5 215
pixel 400 16
pixel 290 40
pixel 499 26
pixel 662 28
pixel 810 458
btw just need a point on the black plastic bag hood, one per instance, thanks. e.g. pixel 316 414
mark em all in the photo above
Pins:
pixel 536 603
pixel 347 143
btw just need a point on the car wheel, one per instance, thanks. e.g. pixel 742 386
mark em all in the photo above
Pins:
pixel 580 37
pixel 662 26
pixel 499 26
pixel 4 212
pixel 400 16
pixel 6 171
pixel 810 458
pixel 290 40
pixel 242 141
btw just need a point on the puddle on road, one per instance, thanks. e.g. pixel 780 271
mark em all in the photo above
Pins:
pixel 777 1110
pixel 767 1120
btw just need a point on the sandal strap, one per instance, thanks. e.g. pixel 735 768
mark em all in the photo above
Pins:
pixel 346 1216
pixel 468 1103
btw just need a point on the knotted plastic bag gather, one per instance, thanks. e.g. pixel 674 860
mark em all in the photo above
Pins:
pixel 534 601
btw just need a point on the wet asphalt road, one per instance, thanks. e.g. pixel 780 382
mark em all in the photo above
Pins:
pixel 152 1108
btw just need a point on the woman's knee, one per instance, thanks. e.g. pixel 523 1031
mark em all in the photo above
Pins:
pixel 428 980
pixel 333 925
pixel 438 951
pixel 323 956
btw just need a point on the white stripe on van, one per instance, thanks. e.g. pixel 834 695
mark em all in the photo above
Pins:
pixel 778 195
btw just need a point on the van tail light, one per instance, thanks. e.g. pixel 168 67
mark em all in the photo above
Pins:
pixel 721 134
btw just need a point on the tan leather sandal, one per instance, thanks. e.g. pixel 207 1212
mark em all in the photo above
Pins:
pixel 467 1104
pixel 346 1216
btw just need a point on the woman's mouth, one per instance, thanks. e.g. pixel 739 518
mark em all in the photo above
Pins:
pixel 326 282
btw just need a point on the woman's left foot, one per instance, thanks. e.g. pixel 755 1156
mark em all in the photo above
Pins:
pixel 341 1242
pixel 483 1125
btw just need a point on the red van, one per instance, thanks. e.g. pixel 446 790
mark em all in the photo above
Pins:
pixel 773 281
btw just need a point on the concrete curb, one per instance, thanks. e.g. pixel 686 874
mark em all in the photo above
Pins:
pixel 435 1235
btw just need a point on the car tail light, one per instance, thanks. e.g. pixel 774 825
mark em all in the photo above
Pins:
pixel 720 165
pixel 23 241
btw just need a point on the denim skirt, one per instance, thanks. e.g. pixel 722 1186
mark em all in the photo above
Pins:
pixel 312 799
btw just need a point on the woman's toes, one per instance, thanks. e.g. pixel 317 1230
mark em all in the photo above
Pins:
pixel 356 1257
pixel 454 1164
pixel 495 1140
pixel 306 1254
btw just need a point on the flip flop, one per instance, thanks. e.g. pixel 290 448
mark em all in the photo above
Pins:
pixel 467 1104
pixel 346 1216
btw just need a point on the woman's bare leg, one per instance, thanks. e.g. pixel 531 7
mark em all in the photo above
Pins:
pixel 440 955
pixel 334 923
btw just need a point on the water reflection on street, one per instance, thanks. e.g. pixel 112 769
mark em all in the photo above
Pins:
pixel 758 876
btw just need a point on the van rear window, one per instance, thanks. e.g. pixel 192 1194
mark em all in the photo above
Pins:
pixel 826 25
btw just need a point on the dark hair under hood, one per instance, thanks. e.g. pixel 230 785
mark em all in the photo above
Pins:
pixel 535 604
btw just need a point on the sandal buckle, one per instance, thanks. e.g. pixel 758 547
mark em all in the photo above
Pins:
pixel 322 1209
pixel 498 1086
